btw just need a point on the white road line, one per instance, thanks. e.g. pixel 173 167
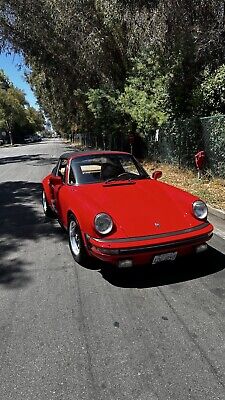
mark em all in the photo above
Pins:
pixel 220 233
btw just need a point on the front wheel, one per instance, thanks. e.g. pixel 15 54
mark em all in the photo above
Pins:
pixel 76 243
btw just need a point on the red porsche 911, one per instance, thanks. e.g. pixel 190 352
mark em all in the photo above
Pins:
pixel 113 210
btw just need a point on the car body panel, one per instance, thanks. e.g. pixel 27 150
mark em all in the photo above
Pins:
pixel 150 217
pixel 151 207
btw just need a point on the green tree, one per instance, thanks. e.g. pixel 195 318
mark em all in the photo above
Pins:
pixel 145 96
pixel 15 114
pixel 209 96
pixel 74 46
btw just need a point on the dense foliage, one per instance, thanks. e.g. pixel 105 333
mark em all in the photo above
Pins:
pixel 17 119
pixel 117 66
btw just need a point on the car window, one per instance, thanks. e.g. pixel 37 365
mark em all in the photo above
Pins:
pixel 72 179
pixel 86 172
pixel 129 166
pixel 54 171
pixel 101 168
pixel 62 169
pixel 90 168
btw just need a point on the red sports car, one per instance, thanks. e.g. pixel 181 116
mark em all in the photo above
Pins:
pixel 113 210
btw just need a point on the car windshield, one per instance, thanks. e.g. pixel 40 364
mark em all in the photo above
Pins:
pixel 106 168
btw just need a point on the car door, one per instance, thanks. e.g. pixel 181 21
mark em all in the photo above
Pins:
pixel 57 184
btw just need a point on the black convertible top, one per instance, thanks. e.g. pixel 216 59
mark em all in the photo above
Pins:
pixel 78 153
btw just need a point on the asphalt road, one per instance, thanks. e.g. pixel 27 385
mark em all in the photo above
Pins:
pixel 71 333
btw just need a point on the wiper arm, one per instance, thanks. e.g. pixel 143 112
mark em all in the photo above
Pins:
pixel 110 180
pixel 119 177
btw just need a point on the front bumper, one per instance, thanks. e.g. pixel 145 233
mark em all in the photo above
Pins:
pixel 141 250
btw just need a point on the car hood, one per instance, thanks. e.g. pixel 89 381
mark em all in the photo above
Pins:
pixel 143 207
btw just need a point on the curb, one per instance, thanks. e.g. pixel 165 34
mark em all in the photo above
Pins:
pixel 216 212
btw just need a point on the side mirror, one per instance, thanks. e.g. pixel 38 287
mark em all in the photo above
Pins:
pixel 156 175
pixel 55 180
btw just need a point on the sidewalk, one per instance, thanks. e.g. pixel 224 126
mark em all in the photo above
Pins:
pixel 215 211
pixel 217 218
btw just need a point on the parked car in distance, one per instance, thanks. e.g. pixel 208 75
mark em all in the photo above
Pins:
pixel 36 137
pixel 32 138
pixel 114 211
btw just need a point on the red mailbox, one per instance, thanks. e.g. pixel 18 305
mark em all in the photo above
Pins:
pixel 200 159
pixel 199 162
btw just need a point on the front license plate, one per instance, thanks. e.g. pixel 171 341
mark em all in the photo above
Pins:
pixel 164 257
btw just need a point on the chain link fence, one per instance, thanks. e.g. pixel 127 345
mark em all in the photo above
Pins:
pixel 213 132
pixel 176 142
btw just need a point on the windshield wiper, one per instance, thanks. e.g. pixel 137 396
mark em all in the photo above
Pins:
pixel 128 176
pixel 118 178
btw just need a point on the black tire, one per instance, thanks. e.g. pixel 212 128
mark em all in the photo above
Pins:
pixel 46 208
pixel 76 243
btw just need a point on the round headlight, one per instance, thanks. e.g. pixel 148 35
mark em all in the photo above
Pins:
pixel 103 223
pixel 200 209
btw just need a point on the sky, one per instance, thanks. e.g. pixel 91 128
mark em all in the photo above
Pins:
pixel 9 64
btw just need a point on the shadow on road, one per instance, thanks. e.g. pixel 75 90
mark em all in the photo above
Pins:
pixel 35 159
pixel 166 273
pixel 22 158
pixel 13 274
pixel 21 220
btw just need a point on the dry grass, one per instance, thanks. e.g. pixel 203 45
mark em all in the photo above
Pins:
pixel 211 190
